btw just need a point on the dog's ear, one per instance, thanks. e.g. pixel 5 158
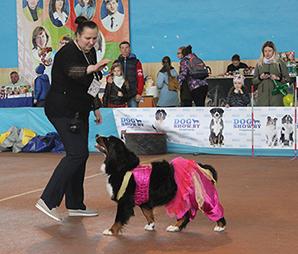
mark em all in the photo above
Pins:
pixel 290 119
pixel 157 114
pixel 119 158
pixel 212 111
pixel 221 111
pixel 132 160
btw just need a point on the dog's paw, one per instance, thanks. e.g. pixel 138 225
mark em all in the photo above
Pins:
pixel 173 229
pixel 150 227
pixel 107 232
pixel 219 229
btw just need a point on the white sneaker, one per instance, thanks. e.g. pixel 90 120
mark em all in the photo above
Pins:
pixel 219 228
pixel 41 205
pixel 85 213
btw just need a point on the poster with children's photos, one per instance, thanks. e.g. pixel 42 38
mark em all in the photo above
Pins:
pixel 44 26
pixel 276 127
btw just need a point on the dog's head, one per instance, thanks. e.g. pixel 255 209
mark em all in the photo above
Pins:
pixel 119 159
pixel 287 119
pixel 217 113
pixel 160 115
pixel 271 121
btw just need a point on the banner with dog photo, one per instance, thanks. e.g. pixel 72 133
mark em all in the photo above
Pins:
pixel 182 125
pixel 44 26
pixel 277 127
pixel 200 127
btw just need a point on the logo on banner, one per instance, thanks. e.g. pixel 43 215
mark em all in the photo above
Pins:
pixel 186 123
pixel 131 122
pixel 245 123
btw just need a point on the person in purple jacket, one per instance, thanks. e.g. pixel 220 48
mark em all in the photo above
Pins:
pixel 198 87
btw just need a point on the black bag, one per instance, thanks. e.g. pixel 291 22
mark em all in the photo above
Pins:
pixel 197 68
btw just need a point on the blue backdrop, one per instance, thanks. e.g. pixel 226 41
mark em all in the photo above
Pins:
pixel 217 29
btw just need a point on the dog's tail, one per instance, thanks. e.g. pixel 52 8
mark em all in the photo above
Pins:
pixel 211 169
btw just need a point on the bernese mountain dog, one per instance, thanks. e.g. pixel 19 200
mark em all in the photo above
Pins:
pixel 183 186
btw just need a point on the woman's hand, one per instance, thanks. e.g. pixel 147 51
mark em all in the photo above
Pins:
pixel 97 67
pixel 274 77
pixel 98 118
pixel 101 64
pixel 264 76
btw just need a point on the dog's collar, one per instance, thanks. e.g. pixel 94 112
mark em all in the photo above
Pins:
pixel 124 185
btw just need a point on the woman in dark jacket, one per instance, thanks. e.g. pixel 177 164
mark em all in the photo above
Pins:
pixel 198 87
pixel 73 94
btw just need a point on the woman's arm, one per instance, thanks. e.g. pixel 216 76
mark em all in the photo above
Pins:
pixel 183 72
pixel 160 80
pixel 284 73
pixel 256 79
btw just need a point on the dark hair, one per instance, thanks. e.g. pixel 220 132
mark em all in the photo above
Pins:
pixel 13 72
pixel 269 44
pixel 82 23
pixel 123 43
pixel 166 65
pixel 81 3
pixel 107 1
pixel 66 38
pixel 236 57
pixel 187 50
pixel 54 7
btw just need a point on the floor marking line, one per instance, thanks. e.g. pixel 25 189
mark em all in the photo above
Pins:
pixel 40 189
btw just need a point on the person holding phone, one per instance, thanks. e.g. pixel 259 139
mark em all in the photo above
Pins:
pixel 269 70
pixel 73 94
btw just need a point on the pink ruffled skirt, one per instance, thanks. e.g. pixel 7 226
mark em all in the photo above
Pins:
pixel 195 191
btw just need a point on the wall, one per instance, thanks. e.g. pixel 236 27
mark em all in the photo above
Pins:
pixel 216 29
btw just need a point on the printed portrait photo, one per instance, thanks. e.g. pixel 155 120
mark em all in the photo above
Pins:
pixel 85 8
pixel 112 14
pixel 32 9
pixel 59 12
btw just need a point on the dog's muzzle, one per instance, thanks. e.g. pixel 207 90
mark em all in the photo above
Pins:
pixel 100 144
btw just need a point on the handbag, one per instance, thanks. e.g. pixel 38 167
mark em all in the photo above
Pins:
pixel 173 84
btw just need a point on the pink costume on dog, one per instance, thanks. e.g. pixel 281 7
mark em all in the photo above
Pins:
pixel 141 175
pixel 195 190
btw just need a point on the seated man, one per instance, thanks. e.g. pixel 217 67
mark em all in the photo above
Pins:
pixel 14 78
pixel 17 87
pixel 236 64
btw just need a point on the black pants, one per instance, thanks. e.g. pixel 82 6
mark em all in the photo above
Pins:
pixel 199 95
pixel 185 96
pixel 68 177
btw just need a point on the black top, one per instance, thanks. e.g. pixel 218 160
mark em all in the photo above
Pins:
pixel 238 99
pixel 232 68
pixel 70 83
pixel 111 95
